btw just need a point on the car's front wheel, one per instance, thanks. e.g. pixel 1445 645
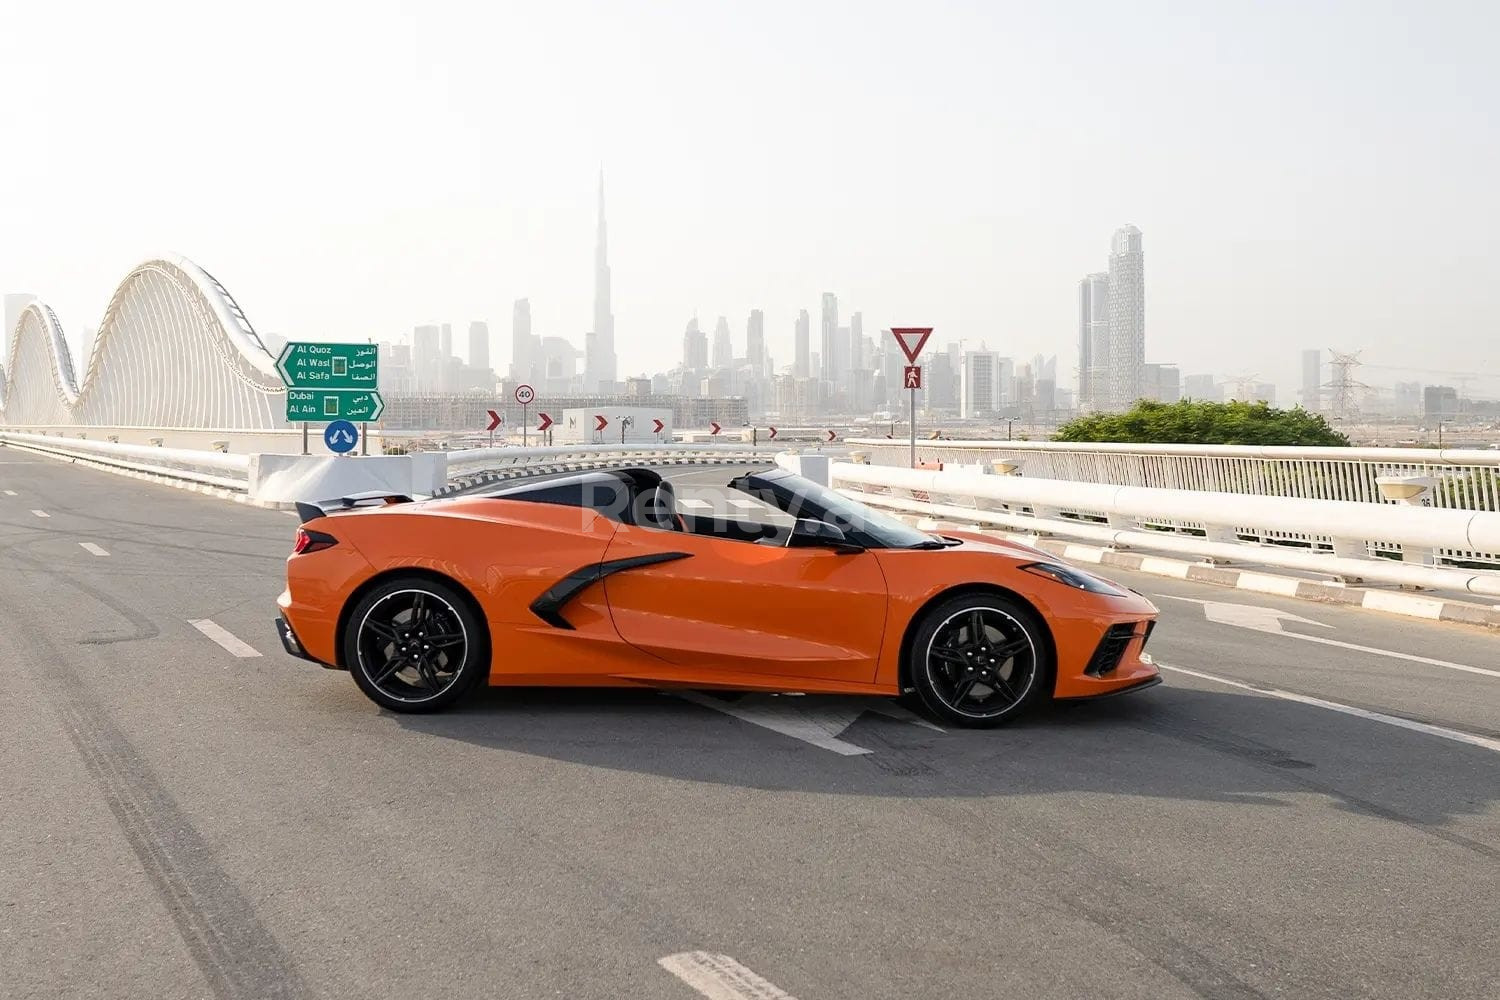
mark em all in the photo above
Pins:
pixel 414 645
pixel 980 660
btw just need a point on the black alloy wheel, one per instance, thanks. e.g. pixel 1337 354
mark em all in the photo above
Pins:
pixel 415 646
pixel 980 659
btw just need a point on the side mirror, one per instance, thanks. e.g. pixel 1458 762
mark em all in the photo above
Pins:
pixel 809 533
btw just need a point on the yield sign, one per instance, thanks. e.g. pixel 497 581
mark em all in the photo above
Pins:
pixel 715 425
pixel 601 424
pixel 546 422
pixel 495 420
pixel 659 425
pixel 912 339
pixel 773 434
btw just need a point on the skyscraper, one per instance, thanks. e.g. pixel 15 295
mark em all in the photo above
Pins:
pixel 827 350
pixel 525 349
pixel 426 358
pixel 1093 339
pixel 802 358
pixel 1312 381
pixel 694 347
pixel 755 343
pixel 599 364
pixel 723 348
pixel 479 345
pixel 1127 318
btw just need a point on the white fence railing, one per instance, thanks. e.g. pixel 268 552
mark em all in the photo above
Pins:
pixel 1443 549
pixel 211 468
pixel 1464 479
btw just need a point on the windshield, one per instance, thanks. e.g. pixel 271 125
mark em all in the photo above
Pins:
pixel 801 497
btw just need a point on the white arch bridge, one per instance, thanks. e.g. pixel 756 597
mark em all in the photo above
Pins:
pixel 173 352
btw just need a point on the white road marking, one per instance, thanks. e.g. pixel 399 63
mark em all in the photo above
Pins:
pixel 95 549
pixel 224 637
pixel 1457 736
pixel 10 493
pixel 720 977
pixel 41 513
pixel 1246 616
pixel 818 721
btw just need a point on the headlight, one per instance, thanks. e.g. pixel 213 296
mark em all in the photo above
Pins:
pixel 1076 578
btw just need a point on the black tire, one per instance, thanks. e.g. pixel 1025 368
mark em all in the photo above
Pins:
pixel 415 645
pixel 984 671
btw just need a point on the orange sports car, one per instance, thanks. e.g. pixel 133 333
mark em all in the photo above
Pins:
pixel 599 578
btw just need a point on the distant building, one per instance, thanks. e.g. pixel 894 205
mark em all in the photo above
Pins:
pixel 479 345
pixel 755 343
pixel 694 347
pixel 723 347
pixel 525 348
pixel 802 347
pixel 1312 380
pixel 1093 339
pixel 1439 402
pixel 1203 388
pixel 981 387
pixel 1263 392
pixel 829 332
pixel 426 357
pixel 599 346
pixel 1408 401
pixel 1163 383
pixel 1127 318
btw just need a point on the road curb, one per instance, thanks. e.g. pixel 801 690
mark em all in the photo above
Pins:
pixel 1323 591
pixel 218 492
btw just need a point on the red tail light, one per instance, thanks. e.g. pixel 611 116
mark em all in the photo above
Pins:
pixel 312 541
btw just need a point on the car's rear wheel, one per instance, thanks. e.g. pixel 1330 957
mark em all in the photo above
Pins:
pixel 980 660
pixel 415 645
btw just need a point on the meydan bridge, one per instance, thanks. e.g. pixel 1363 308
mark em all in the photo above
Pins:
pixel 179 387
pixel 174 351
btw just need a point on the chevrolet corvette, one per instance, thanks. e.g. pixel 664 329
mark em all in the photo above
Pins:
pixel 603 579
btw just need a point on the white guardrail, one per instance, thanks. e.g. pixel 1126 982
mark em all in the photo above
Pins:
pixel 1339 538
pixel 211 468
pixel 1461 479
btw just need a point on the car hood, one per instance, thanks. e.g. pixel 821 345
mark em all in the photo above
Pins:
pixel 975 542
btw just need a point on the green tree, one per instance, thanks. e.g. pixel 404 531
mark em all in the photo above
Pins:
pixel 1192 421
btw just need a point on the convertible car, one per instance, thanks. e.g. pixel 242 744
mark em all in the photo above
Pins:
pixel 602 578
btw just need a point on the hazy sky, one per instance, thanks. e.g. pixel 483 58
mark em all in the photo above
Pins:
pixel 1305 174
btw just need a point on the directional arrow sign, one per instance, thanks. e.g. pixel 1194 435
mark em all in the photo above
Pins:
pixel 773 434
pixel 306 365
pixel 818 720
pixel 318 405
pixel 911 339
pixel 832 436
pixel 716 428
pixel 602 422
pixel 546 422
pixel 1248 615
pixel 495 420
pixel 659 426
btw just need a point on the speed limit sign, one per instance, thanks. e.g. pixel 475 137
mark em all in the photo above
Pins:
pixel 525 394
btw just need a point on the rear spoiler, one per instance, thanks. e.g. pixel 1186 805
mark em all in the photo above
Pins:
pixel 309 511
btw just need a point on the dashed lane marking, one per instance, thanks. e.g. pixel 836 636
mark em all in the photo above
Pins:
pixel 90 547
pixel 1457 736
pixel 41 513
pixel 720 977
pixel 10 493
pixel 224 637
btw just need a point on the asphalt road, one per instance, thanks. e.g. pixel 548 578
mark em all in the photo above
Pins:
pixel 178 820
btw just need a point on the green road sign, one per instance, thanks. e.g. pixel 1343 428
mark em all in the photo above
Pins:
pixel 321 405
pixel 329 366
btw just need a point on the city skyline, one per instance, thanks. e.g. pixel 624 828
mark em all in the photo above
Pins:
pixel 1356 217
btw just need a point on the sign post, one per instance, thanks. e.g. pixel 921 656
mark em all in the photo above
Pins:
pixel 524 395
pixel 911 340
